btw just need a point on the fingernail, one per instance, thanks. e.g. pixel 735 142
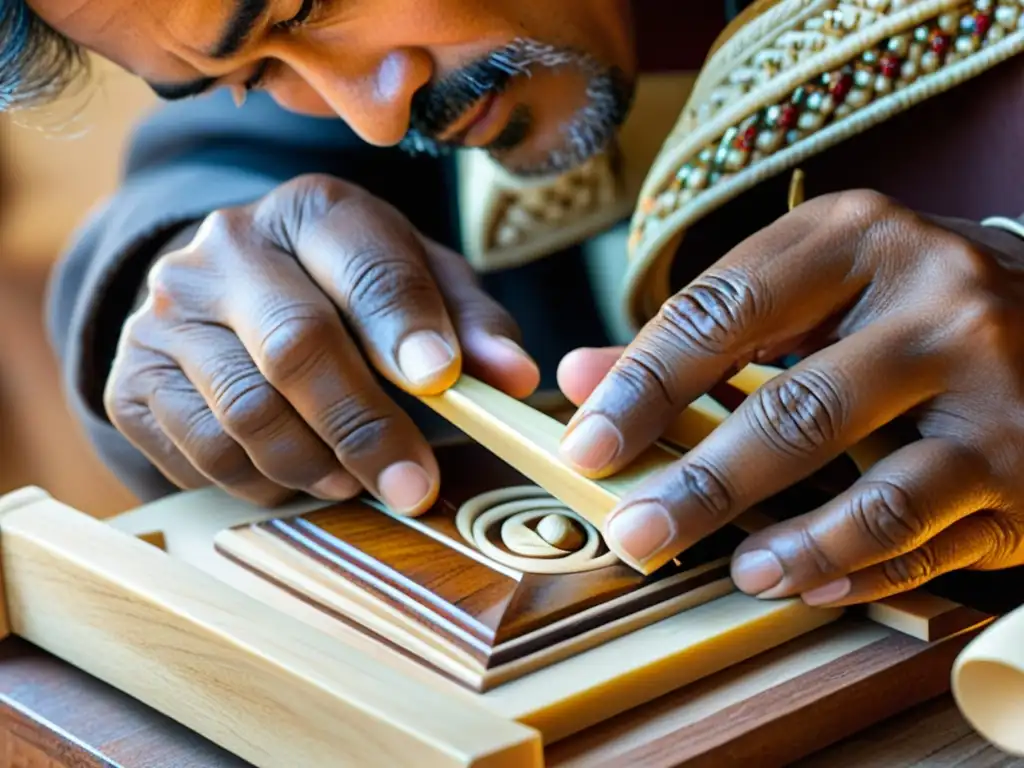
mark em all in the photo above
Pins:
pixel 339 485
pixel 404 486
pixel 423 355
pixel 756 572
pixel 512 345
pixel 593 444
pixel 829 593
pixel 640 532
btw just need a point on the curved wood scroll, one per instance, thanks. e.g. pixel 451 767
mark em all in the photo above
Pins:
pixel 446 587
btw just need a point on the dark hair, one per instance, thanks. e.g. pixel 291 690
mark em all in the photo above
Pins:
pixel 37 63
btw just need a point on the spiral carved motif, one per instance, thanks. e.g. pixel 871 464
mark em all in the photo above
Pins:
pixel 525 528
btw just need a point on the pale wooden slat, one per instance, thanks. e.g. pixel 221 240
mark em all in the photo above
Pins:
pixel 262 685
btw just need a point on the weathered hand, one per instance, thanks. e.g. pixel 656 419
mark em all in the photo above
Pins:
pixel 892 315
pixel 251 364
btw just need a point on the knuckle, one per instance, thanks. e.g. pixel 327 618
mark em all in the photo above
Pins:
pixel 168 285
pixel 375 283
pixel 298 204
pixel 1005 542
pixel 799 414
pixel 646 373
pixel 706 316
pixel 224 231
pixel 886 513
pixel 862 205
pixel 246 405
pixel 213 453
pixel 296 339
pixel 354 428
pixel 910 569
pixel 991 327
pixel 818 554
pixel 707 486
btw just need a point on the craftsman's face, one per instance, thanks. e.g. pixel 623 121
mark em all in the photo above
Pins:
pixel 541 84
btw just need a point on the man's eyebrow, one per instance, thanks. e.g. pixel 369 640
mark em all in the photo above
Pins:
pixel 178 91
pixel 243 22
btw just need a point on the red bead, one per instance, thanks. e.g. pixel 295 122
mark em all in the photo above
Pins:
pixel 840 87
pixel 939 44
pixel 982 24
pixel 788 116
pixel 745 140
pixel 890 65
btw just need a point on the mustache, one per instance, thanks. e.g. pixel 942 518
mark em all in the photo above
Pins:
pixel 437 106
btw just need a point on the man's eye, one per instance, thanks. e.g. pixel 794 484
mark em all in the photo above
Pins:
pixel 308 6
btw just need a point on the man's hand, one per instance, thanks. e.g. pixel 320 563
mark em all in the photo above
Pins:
pixel 893 315
pixel 251 364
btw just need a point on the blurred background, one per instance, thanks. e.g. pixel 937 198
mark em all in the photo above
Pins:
pixel 49 180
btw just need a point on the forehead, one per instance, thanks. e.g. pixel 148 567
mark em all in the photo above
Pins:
pixel 155 39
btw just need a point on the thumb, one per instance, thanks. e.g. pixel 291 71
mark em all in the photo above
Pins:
pixel 488 334
pixel 582 370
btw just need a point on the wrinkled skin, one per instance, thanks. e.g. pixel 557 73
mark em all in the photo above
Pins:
pixel 240 368
pixel 893 315
pixel 415 72
pixel 238 371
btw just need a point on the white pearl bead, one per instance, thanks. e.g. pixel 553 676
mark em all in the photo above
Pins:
pixel 810 121
pixel 735 159
pixel 769 141
pixel 1007 15
pixel 983 5
pixel 930 61
pixel 899 45
pixel 697 179
pixel 883 84
pixel 909 70
pixel 966 44
pixel 857 98
pixel 948 22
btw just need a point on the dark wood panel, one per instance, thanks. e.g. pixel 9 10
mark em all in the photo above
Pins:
pixel 481 610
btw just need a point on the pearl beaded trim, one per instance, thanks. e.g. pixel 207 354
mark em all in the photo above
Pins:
pixel 887 68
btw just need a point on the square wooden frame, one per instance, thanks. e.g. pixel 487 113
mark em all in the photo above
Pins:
pixel 204 645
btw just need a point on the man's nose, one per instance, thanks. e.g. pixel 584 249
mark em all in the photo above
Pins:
pixel 375 99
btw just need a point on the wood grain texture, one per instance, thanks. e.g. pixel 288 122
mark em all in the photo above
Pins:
pixel 427 577
pixel 214 658
pixel 777 708
pixel 78 721
pixel 61 703
pixel 925 616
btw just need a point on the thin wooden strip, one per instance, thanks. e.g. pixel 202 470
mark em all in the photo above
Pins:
pixel 265 687
pixel 804 714
pixel 528 441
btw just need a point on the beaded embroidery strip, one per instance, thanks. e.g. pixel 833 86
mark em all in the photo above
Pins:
pixel 697 170
pixel 887 68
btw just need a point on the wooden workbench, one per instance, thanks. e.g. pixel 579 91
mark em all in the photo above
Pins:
pixel 54 716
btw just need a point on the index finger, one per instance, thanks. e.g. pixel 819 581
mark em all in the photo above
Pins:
pixel 776 286
pixel 371 263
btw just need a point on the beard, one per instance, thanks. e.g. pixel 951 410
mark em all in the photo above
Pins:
pixel 587 133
